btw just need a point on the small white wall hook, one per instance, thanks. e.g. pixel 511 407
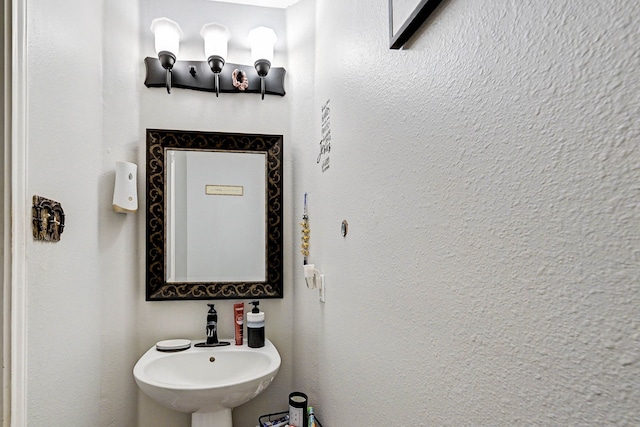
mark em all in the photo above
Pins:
pixel 311 276
pixel 314 279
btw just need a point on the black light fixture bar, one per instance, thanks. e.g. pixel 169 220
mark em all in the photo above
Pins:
pixel 197 75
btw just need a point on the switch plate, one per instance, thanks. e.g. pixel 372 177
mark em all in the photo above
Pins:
pixel 322 288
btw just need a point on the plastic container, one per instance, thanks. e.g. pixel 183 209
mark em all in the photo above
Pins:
pixel 238 320
pixel 312 417
pixel 255 327
pixel 298 409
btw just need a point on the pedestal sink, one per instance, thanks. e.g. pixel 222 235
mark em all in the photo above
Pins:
pixel 208 382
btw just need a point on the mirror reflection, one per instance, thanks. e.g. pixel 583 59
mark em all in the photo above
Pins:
pixel 216 220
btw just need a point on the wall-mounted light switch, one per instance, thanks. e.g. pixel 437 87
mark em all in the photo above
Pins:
pixel 322 289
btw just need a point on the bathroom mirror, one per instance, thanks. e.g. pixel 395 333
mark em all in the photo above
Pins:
pixel 214 215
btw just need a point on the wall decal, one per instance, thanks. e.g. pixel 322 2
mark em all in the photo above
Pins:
pixel 325 142
pixel 48 219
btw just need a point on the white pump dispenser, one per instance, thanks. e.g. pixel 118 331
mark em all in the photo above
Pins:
pixel 125 194
pixel 255 327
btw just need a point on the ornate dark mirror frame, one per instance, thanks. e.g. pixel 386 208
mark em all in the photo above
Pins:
pixel 158 141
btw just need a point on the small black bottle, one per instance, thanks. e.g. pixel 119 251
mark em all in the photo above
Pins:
pixel 255 326
pixel 212 325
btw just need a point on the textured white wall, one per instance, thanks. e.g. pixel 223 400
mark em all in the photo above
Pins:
pixel 88 322
pixel 489 174
pixel 193 110
pixel 80 292
pixel 64 286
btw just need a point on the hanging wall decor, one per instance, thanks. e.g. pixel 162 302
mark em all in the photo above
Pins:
pixel 48 219
pixel 405 17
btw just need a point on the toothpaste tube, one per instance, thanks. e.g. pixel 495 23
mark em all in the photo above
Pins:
pixel 238 314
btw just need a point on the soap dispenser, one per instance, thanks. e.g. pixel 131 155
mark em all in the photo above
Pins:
pixel 125 193
pixel 255 326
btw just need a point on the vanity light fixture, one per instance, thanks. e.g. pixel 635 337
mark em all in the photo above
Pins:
pixel 167 35
pixel 214 74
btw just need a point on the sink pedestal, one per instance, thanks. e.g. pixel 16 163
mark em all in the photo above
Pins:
pixel 212 419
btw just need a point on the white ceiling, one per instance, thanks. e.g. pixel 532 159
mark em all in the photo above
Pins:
pixel 264 3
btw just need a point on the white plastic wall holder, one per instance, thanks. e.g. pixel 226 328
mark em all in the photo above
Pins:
pixel 311 275
pixel 125 193
pixel 314 279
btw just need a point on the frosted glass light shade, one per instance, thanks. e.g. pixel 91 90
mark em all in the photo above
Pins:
pixel 262 40
pixel 167 35
pixel 216 37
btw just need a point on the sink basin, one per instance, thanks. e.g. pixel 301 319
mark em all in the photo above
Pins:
pixel 208 382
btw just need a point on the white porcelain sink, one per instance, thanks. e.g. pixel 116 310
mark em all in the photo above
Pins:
pixel 207 381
